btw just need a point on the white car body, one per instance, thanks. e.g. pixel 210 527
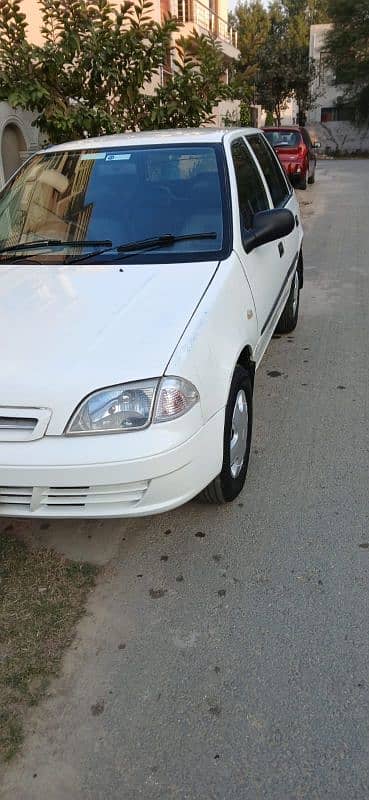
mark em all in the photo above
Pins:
pixel 68 333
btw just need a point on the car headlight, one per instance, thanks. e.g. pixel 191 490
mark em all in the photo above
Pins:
pixel 133 406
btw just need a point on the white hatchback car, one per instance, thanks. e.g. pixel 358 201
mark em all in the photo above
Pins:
pixel 142 277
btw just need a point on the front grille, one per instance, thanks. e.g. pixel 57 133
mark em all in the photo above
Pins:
pixel 23 424
pixel 54 500
pixel 16 495
pixel 18 423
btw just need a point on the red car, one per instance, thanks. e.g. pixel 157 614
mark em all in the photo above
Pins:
pixel 296 153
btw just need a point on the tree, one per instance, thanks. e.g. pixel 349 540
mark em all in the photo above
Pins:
pixel 273 80
pixel 313 11
pixel 90 75
pixel 301 68
pixel 251 21
pixel 347 51
pixel 274 45
pixel 192 90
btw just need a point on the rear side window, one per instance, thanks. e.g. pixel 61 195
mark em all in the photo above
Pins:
pixel 252 196
pixel 274 175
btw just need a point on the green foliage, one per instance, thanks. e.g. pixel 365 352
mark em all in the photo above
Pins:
pixel 273 81
pixel 347 51
pixel 251 21
pixel 90 75
pixel 269 119
pixel 312 11
pixel 274 45
pixel 192 90
pixel 231 120
pixel 245 115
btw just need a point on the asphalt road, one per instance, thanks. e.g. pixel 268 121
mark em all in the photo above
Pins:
pixel 225 655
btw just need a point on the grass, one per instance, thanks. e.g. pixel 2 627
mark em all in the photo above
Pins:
pixel 42 596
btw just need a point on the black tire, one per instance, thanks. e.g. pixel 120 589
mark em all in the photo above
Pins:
pixel 226 487
pixel 302 184
pixel 290 314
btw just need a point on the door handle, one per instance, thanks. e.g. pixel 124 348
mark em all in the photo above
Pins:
pixel 281 249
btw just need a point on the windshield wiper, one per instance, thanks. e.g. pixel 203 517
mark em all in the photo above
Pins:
pixel 39 244
pixel 165 240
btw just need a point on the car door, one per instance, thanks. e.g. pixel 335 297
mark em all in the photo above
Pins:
pixel 282 196
pixel 263 266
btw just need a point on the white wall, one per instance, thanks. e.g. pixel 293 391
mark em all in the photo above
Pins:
pixel 323 84
pixel 225 107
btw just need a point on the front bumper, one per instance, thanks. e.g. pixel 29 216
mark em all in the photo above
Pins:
pixel 81 477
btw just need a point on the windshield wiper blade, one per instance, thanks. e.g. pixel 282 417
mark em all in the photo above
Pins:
pixel 30 245
pixel 165 240
pixel 39 244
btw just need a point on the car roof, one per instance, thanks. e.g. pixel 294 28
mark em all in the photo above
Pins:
pixel 287 128
pixel 178 136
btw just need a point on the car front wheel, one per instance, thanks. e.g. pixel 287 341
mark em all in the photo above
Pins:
pixel 236 442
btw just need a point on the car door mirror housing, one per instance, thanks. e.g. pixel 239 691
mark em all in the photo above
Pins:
pixel 268 226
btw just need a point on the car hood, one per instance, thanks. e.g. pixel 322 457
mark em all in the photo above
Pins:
pixel 67 331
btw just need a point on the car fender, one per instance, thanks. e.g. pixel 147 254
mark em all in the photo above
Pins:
pixel 223 325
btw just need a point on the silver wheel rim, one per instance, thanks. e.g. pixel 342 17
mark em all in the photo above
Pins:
pixel 239 428
pixel 295 293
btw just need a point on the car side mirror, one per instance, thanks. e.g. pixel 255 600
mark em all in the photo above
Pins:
pixel 267 226
pixel 317 145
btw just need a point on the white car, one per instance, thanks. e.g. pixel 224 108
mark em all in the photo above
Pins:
pixel 142 277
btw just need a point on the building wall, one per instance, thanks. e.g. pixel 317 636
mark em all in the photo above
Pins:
pixel 340 137
pixel 323 84
pixel 290 112
pixel 34 19
pixel 226 109
pixel 31 9
pixel 18 139
pixel 208 16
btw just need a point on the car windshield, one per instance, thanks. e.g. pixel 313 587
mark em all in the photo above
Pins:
pixel 283 138
pixel 118 196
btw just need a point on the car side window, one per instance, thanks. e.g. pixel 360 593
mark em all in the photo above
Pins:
pixel 274 175
pixel 252 196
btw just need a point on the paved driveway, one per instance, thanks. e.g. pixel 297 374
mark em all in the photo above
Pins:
pixel 225 655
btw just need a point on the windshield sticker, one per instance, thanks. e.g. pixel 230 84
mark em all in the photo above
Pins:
pixel 93 156
pixel 118 156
